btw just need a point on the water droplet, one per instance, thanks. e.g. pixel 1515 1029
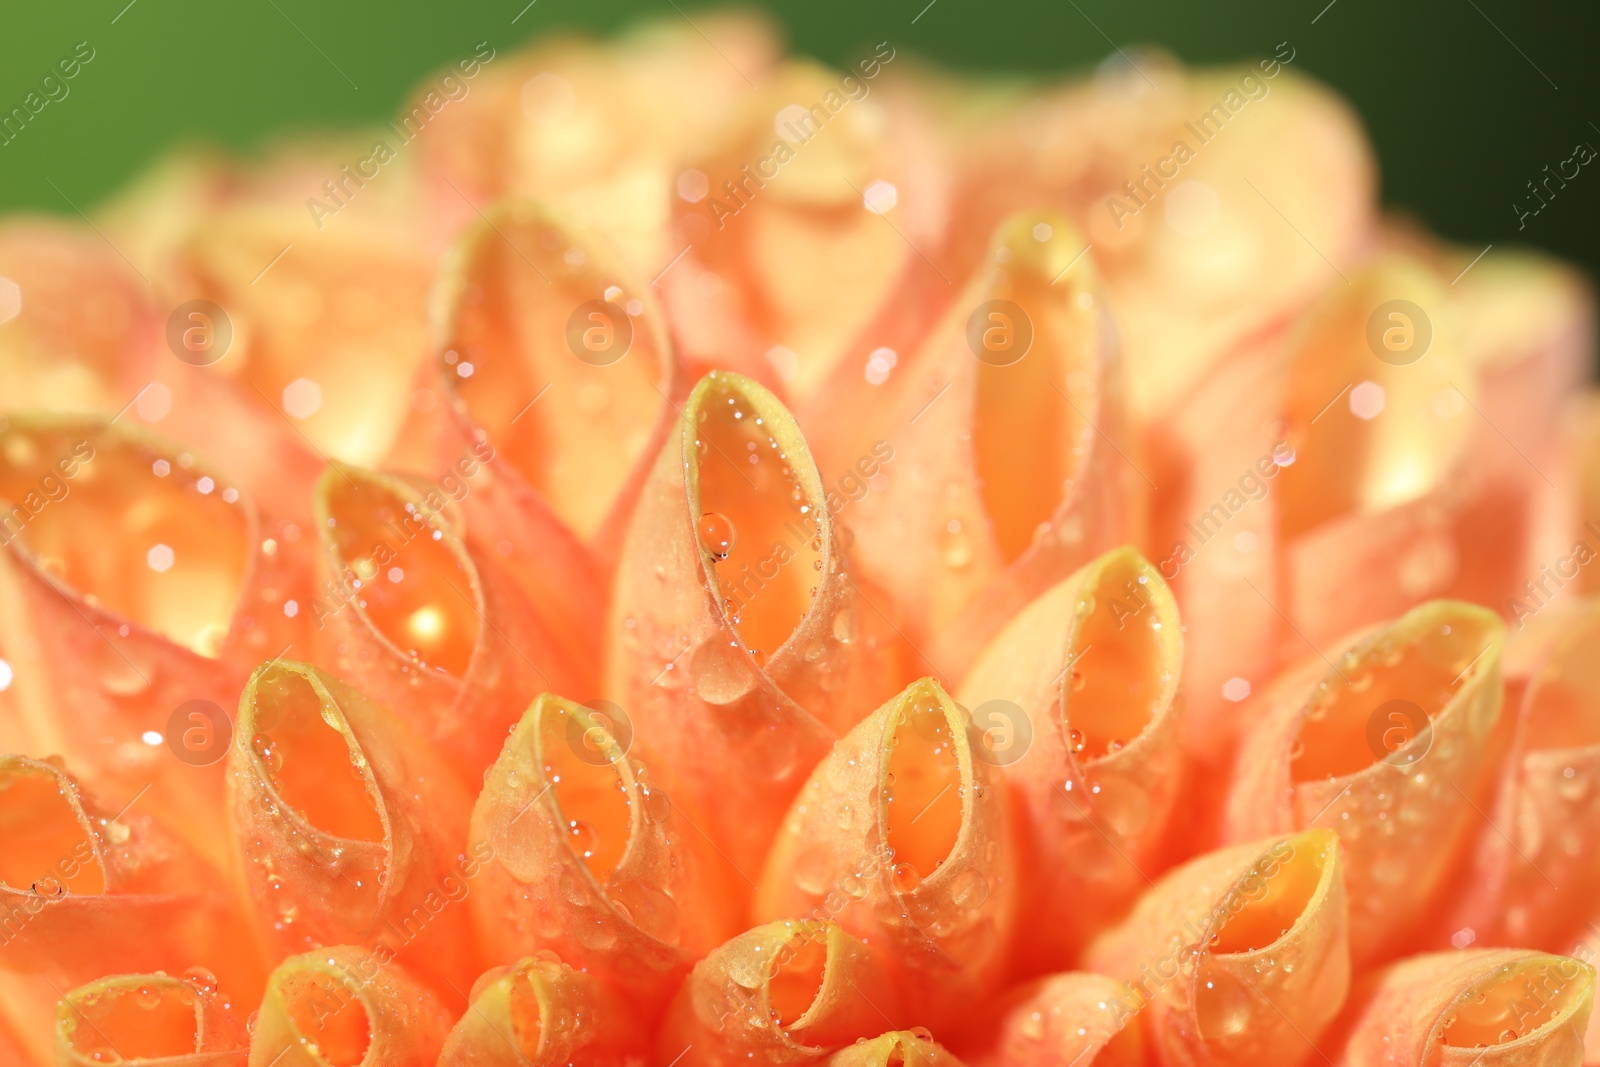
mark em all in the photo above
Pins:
pixel 722 673
pixel 906 878
pixel 1283 454
pixel 717 534
pixel 201 979
pixel 1075 741
pixel 269 754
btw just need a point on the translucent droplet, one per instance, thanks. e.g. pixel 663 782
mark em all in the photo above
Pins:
pixel 906 878
pixel 268 753
pixel 717 534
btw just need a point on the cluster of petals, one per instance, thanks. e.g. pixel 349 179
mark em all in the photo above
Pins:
pixel 671 554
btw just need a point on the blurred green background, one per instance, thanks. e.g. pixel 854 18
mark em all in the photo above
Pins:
pixel 1466 100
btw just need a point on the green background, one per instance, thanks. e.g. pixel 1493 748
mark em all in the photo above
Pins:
pixel 1466 100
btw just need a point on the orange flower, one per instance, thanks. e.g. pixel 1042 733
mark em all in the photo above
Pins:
pixel 669 554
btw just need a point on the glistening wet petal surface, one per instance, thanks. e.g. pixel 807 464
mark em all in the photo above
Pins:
pixel 398 568
pixel 756 521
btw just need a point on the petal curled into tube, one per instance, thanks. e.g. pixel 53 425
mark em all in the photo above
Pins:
pixel 350 827
pixel 346 1007
pixel 898 1048
pixel 151 1020
pixel 424 623
pixel 739 635
pixel 540 1012
pixel 1003 425
pixel 86 888
pixel 784 992
pixel 1078 697
pixel 1483 1007
pixel 137 589
pixel 1531 882
pixel 902 837
pixel 587 857
pixel 1391 745
pixel 551 352
pixel 1239 956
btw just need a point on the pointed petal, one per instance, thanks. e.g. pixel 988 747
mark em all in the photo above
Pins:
pixel 553 349
pixel 423 623
pixel 542 1013
pixel 902 836
pixel 1003 480
pixel 350 826
pixel 346 1006
pixel 1391 746
pixel 754 659
pixel 1196 949
pixel 585 856
pixel 1076 1018
pixel 1490 1007
pixel 1531 883
pixel 1080 693
pixel 83 887
pixel 1400 489
pixel 1137 158
pixel 787 991
pixel 150 1020
pixel 139 585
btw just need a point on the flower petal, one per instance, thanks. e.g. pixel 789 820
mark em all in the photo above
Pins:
pixel 787 991
pixel 561 357
pixel 897 1048
pixel 349 825
pixel 84 887
pixel 423 621
pixel 1197 948
pixel 542 1013
pixel 763 288
pixel 739 635
pixel 150 1020
pixel 1006 485
pixel 584 855
pixel 343 1007
pixel 138 587
pixel 1491 1007
pixel 1073 1018
pixel 1079 693
pixel 902 836
pixel 1392 746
